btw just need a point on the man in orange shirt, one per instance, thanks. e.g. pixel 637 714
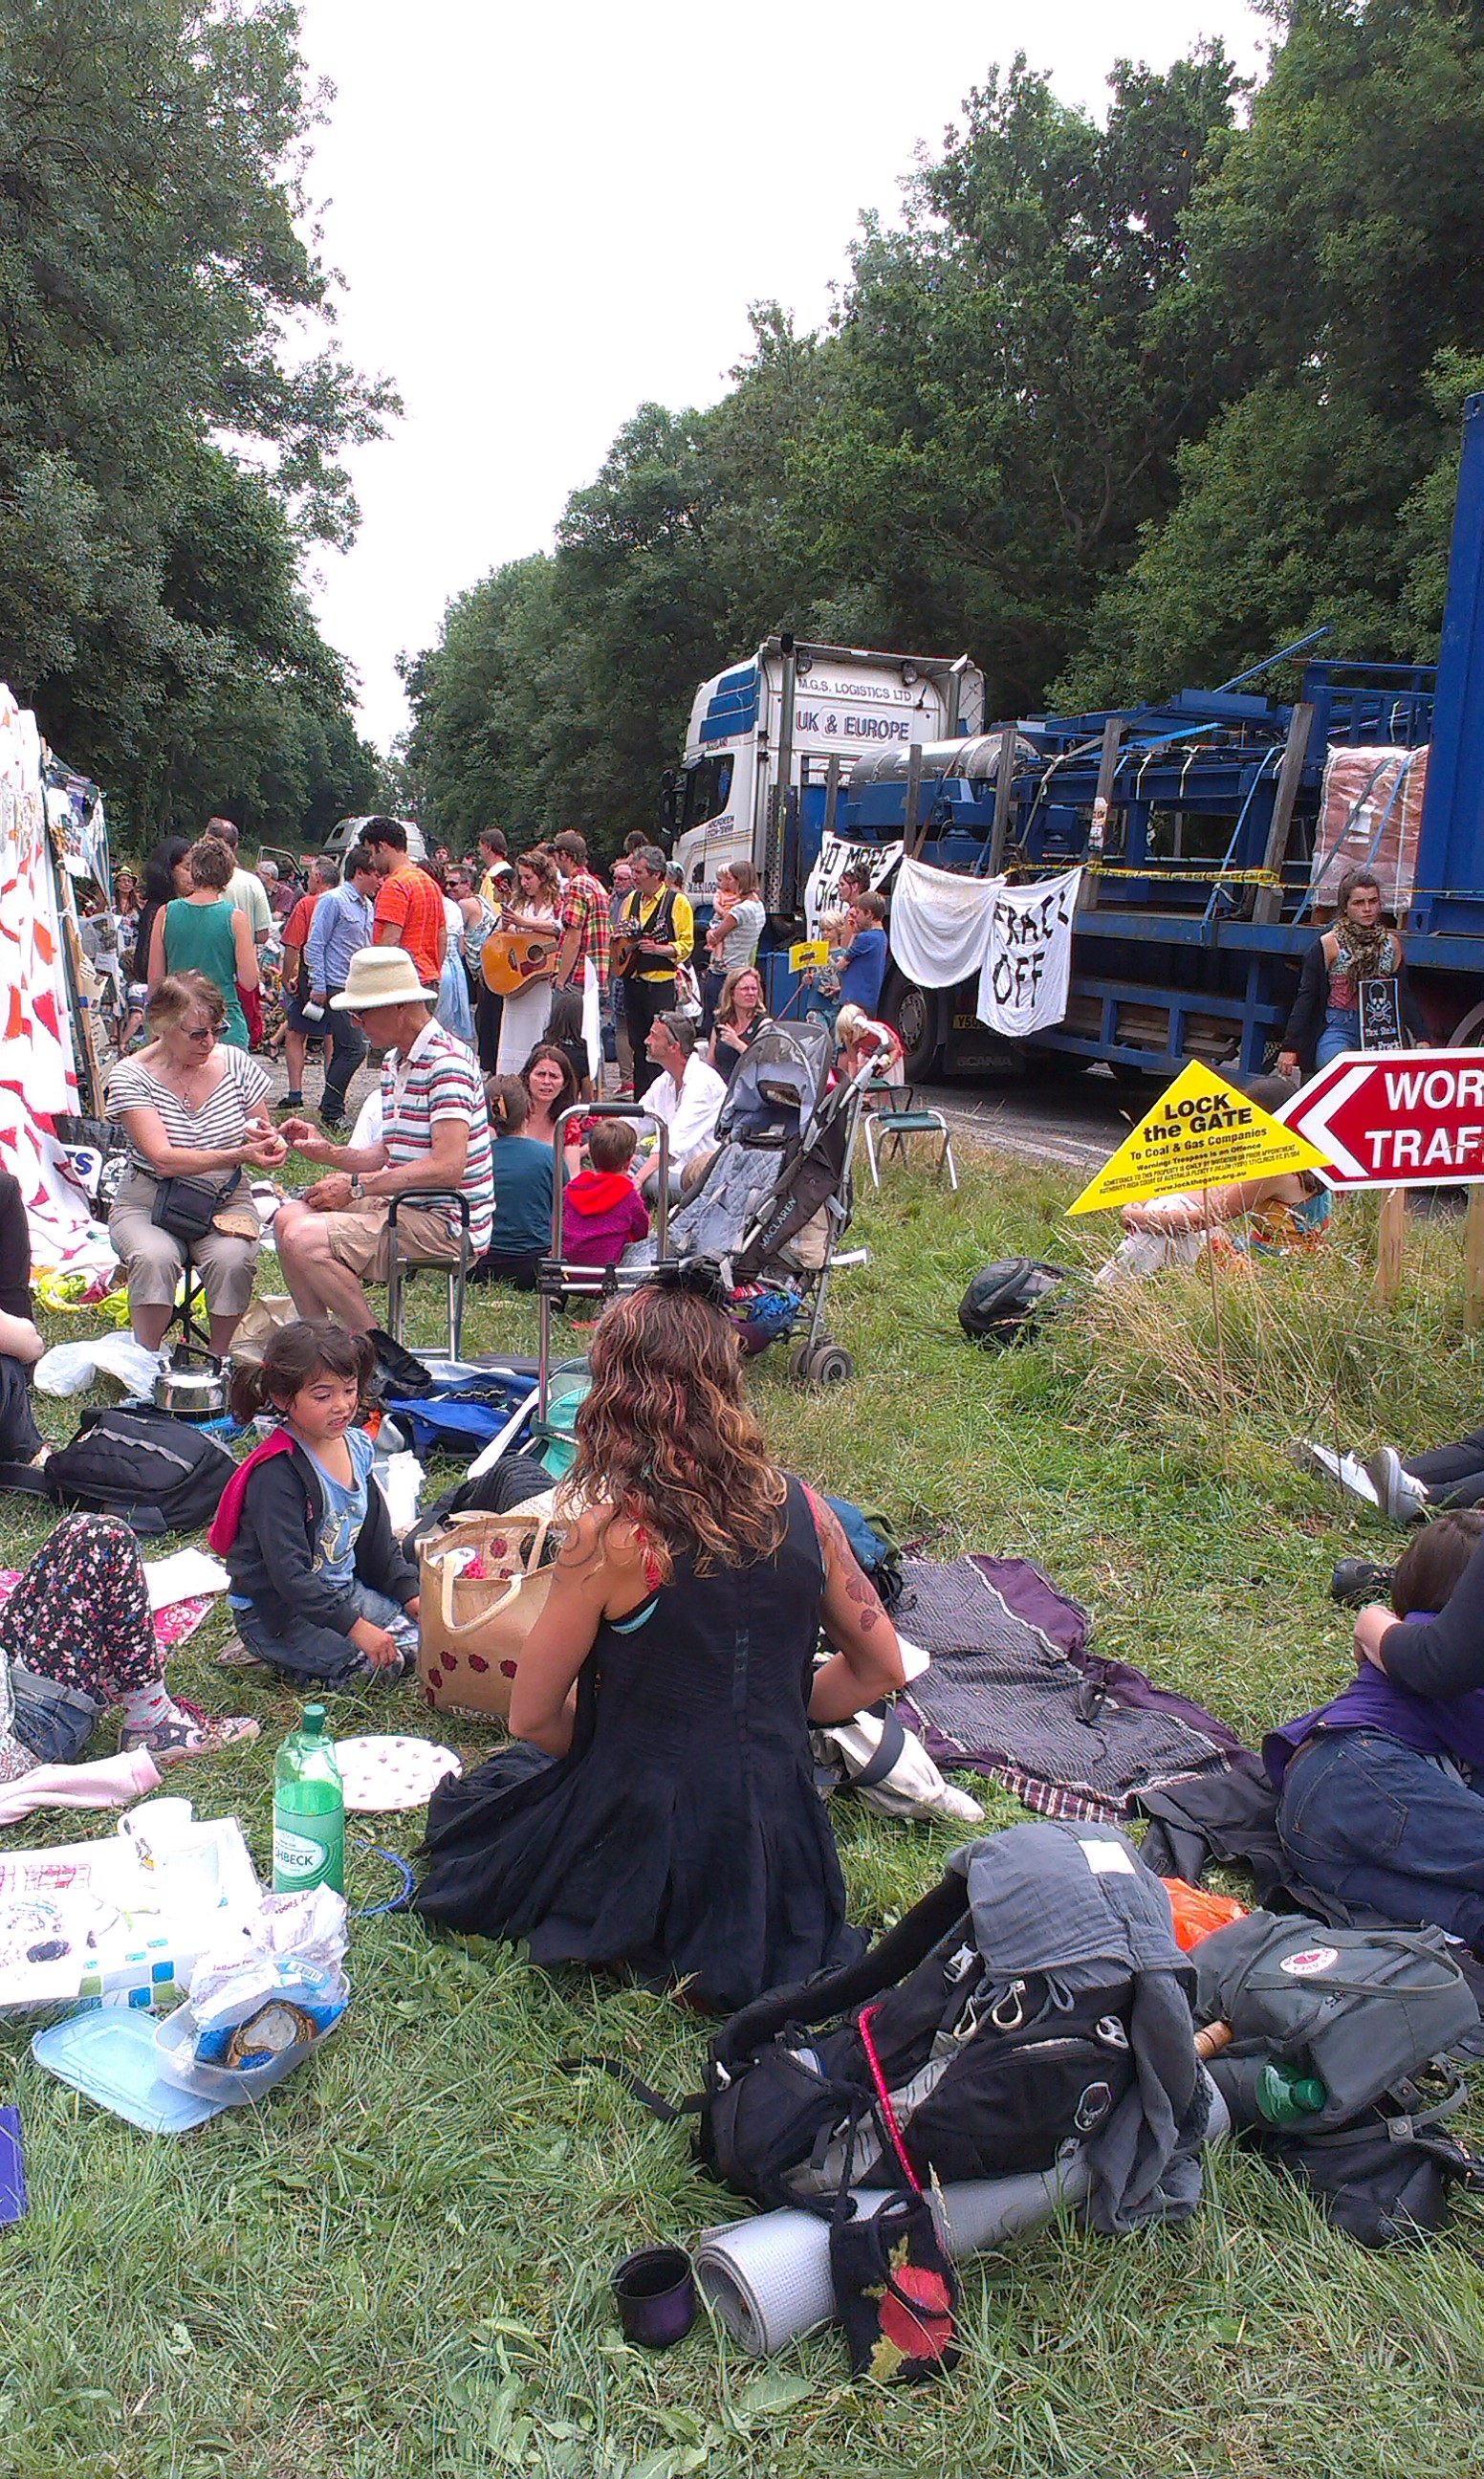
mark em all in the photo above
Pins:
pixel 409 906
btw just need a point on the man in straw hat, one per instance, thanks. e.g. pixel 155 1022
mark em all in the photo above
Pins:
pixel 435 1134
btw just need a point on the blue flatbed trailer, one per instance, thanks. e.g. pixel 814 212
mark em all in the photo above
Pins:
pixel 1198 816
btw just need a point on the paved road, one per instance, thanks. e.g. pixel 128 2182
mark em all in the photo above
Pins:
pixel 1074 1119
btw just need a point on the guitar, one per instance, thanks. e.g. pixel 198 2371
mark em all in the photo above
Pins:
pixel 511 959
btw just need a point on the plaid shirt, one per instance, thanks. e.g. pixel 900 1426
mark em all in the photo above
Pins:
pixel 585 909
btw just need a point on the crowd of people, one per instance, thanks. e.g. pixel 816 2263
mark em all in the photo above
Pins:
pixel 655 1810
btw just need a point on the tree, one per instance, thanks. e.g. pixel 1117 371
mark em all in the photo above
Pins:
pixel 163 460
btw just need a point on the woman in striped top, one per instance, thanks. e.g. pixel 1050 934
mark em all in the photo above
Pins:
pixel 192 1108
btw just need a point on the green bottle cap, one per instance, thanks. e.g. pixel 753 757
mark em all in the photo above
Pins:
pixel 314 1718
pixel 1306 2091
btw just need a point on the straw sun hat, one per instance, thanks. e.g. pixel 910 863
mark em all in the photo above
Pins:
pixel 382 977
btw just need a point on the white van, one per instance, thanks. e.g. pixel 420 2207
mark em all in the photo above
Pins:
pixel 347 832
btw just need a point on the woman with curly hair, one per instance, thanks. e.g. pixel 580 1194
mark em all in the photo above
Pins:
pixel 661 1815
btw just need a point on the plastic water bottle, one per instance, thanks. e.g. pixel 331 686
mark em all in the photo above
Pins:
pixel 1284 2095
pixel 308 1810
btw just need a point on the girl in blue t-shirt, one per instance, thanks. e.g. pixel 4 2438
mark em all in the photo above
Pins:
pixel 320 1589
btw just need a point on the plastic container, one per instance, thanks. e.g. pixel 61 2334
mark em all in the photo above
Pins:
pixel 110 2054
pixel 308 1810
pixel 224 2087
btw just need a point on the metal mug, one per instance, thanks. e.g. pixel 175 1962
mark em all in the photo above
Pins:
pixel 655 2291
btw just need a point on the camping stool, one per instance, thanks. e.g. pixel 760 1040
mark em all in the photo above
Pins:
pixel 903 1118
pixel 457 1271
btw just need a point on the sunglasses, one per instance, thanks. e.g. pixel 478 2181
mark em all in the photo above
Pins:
pixel 199 1032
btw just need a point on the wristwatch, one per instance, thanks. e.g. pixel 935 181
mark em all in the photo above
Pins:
pixel 357 1192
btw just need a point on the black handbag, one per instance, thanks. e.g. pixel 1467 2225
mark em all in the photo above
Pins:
pixel 187 1207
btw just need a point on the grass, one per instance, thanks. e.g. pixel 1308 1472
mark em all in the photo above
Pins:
pixel 397 2267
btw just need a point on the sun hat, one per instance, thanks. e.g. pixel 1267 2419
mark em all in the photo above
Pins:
pixel 381 977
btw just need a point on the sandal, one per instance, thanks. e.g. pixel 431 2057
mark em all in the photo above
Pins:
pixel 189 1733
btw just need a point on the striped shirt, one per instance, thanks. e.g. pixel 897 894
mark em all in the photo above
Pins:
pixel 221 1121
pixel 437 1080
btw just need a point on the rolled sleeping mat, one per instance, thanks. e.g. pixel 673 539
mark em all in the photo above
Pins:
pixel 768 2278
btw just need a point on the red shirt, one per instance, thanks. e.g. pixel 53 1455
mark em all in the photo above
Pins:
pixel 295 930
pixel 409 903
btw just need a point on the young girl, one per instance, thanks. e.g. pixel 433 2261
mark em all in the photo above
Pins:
pixel 77 1635
pixel 321 1589
pixel 524 1167
pixel 1380 1798
pixel 662 1814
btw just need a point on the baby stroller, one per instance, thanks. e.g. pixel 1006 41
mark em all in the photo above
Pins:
pixel 774 1201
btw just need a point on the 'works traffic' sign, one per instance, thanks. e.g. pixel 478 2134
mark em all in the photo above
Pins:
pixel 1401 1118
pixel 1201 1133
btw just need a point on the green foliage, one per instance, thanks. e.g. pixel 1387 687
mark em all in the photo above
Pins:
pixel 164 456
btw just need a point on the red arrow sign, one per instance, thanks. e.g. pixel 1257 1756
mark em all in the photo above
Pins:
pixel 1394 1118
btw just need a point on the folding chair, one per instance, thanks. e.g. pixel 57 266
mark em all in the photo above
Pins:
pixel 901 1119
pixel 456 1269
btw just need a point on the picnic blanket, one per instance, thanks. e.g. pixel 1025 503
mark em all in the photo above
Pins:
pixel 1015 1693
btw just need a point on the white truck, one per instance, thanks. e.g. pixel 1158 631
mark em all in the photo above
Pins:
pixel 771 740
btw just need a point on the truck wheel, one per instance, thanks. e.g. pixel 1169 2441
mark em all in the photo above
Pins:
pixel 914 1013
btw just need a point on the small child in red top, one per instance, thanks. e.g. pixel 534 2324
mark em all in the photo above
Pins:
pixel 603 1211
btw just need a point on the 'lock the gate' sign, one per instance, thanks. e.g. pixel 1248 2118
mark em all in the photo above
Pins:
pixel 1408 1118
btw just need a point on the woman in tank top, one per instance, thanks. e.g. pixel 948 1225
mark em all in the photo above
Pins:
pixel 203 932
pixel 662 1814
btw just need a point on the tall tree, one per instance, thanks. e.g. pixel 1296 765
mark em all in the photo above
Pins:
pixel 165 454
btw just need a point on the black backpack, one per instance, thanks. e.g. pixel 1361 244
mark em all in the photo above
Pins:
pixel 1386 2177
pixel 986 2079
pixel 159 1474
pixel 1005 1301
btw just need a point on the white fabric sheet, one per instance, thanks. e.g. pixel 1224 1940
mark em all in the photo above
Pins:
pixel 941 924
pixel 1023 980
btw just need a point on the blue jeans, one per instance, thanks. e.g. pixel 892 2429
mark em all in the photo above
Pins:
pixel 307 1653
pixel 1342 1032
pixel 1364 1817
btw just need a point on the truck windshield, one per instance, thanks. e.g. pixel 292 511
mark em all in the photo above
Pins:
pixel 707 789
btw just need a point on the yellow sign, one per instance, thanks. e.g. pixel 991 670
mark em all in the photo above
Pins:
pixel 807 952
pixel 1201 1133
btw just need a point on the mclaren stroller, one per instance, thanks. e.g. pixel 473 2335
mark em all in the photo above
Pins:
pixel 774 1201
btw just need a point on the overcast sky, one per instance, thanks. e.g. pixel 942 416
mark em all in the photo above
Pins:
pixel 546 216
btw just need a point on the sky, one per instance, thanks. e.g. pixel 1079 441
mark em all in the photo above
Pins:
pixel 546 216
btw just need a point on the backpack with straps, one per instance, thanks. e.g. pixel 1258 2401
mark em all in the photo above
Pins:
pixel 157 1473
pixel 1005 1301
pixel 931 2067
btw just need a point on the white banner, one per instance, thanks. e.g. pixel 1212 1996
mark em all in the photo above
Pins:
pixel 836 857
pixel 1022 984
pixel 941 924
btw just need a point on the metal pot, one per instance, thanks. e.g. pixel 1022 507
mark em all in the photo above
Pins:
pixel 192 1385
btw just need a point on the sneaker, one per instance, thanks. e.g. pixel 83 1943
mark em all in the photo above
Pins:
pixel 291 1102
pixel 1345 1471
pixel 1401 1498
pixel 189 1732
pixel 1356 1581
pixel 235 1656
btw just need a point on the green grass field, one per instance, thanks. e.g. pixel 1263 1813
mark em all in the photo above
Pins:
pixel 397 2267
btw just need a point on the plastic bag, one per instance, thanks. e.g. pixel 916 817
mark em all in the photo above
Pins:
pixel 1198 1914
pixel 72 1367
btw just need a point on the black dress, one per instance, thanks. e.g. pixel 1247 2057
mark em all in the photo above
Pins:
pixel 681 1834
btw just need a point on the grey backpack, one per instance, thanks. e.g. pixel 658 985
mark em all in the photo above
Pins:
pixel 1365 2010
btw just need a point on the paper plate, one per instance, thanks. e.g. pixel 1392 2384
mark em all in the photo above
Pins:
pixel 381 1774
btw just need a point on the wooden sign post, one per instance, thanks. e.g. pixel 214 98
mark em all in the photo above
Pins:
pixel 1473 1258
pixel 1391 1244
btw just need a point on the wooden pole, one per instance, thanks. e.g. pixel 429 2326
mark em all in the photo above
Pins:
pixel 1102 805
pixel 1473 1258
pixel 1210 1254
pixel 1391 1244
pixel 1004 783
pixel 1269 902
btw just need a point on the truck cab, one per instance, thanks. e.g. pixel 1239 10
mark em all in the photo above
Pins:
pixel 771 740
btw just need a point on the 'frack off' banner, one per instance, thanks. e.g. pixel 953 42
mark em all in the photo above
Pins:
pixel 1022 983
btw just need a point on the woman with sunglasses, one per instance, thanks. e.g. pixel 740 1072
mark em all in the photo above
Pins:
pixel 192 1108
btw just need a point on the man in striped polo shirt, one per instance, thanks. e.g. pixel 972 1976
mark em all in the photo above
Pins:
pixel 435 1134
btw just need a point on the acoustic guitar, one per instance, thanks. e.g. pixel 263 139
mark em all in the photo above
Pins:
pixel 511 959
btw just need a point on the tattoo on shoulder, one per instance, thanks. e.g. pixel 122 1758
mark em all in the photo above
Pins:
pixel 859 1587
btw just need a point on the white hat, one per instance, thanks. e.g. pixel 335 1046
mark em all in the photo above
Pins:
pixel 381 977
